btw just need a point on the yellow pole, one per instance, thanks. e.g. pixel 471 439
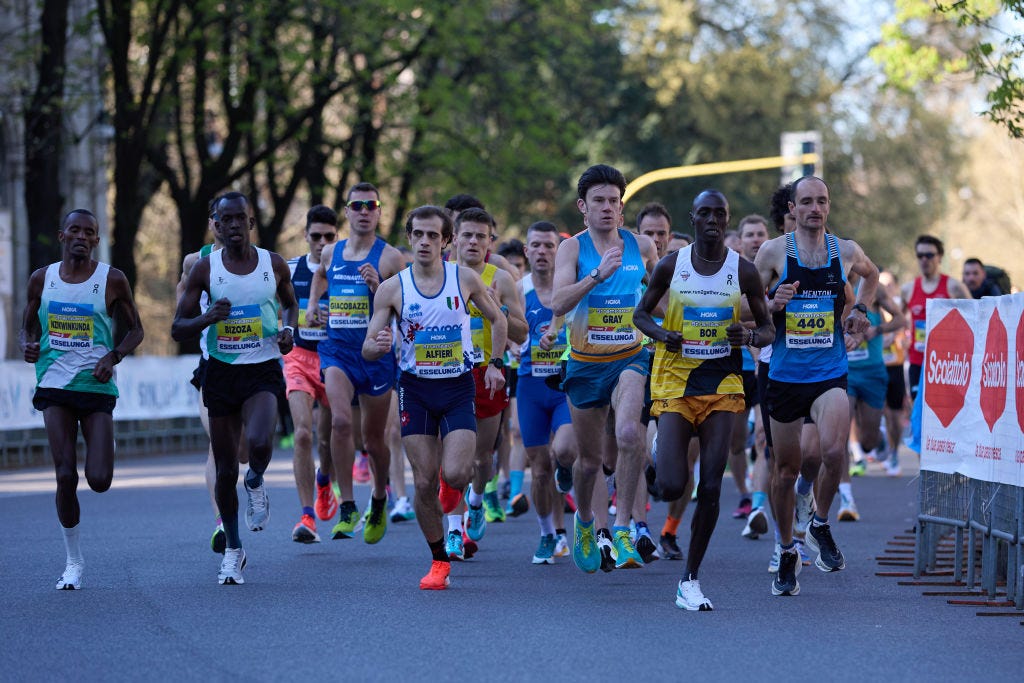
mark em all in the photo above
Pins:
pixel 715 168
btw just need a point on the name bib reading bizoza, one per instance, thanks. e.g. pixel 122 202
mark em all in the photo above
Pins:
pixel 70 326
pixel 241 331
pixel 610 319
pixel 350 307
pixel 439 353
pixel 810 323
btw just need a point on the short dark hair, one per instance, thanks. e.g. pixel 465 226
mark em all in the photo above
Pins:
pixel 778 205
pixel 229 196
pixel 542 226
pixel 321 214
pixel 211 207
pixel 461 202
pixel 652 209
pixel 474 215
pixel 929 239
pixel 430 211
pixel 363 187
pixel 72 212
pixel 974 262
pixel 752 218
pixel 512 248
pixel 600 174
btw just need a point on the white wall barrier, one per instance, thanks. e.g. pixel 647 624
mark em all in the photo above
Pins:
pixel 151 387
pixel 973 417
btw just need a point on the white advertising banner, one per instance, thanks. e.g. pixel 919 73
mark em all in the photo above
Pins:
pixel 151 387
pixel 973 413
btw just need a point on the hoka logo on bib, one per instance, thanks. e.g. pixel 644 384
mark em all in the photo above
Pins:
pixel 948 366
pixel 69 326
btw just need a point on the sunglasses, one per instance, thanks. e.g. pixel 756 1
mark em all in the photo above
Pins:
pixel 360 204
pixel 927 255
pixel 317 236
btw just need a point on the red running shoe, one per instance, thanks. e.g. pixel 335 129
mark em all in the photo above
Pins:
pixel 437 578
pixel 449 497
pixel 326 504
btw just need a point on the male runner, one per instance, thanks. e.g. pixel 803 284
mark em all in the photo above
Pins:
pixel 805 272
pixel 350 272
pixel 598 276
pixel 436 387
pixel 696 382
pixel 243 376
pixel 67 331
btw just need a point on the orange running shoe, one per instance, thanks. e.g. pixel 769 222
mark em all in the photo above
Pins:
pixel 449 497
pixel 305 531
pixel 437 578
pixel 326 505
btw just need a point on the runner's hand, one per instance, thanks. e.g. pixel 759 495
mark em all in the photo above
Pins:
pixel 383 340
pixel 285 342
pixel 313 314
pixel 104 368
pixel 784 294
pixel 856 323
pixel 853 341
pixel 494 380
pixel 370 276
pixel 547 341
pixel 31 351
pixel 738 334
pixel 219 310
pixel 673 341
pixel 610 262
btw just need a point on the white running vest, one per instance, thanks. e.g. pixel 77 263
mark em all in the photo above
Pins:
pixel 249 333
pixel 435 339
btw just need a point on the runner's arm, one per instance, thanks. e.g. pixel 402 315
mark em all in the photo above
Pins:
pixel 386 302
pixel 656 289
pixel 121 306
pixel 28 336
pixel 513 308
pixel 188 321
pixel 289 304
pixel 317 287
pixel 750 286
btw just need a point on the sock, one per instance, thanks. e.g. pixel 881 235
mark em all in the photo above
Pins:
pixel 778 536
pixel 515 478
pixel 547 526
pixel 789 546
pixel 560 532
pixel 454 523
pixel 690 576
pixel 253 479
pixel 819 521
pixel 607 472
pixel 475 499
pixel 583 524
pixel 437 551
pixel 71 544
pixel 378 503
pixel 846 490
pixel 641 528
pixel 803 486
pixel 307 511
pixel 321 478
pixel 758 499
pixel 671 526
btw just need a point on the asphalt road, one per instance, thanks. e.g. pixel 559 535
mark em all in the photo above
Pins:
pixel 151 608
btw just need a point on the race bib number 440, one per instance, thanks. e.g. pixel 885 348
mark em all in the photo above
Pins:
pixel 70 326
pixel 810 323
pixel 610 319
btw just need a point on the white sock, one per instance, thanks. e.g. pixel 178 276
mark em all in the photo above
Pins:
pixel 547 526
pixel 475 499
pixel 845 490
pixel 71 544
pixel 454 523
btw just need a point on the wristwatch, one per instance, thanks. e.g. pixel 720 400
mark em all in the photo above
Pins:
pixel 289 328
pixel 596 274
pixel 860 307
pixel 497 362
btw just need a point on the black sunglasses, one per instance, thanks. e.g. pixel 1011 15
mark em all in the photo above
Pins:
pixel 927 255
pixel 360 204
pixel 317 236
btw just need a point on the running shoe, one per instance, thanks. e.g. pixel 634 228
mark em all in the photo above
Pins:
pixel 546 550
pixel 402 512
pixel 476 521
pixel 757 524
pixel 801 549
pixel 348 518
pixel 519 505
pixel 584 551
pixel 785 582
pixel 361 468
pixel 448 496
pixel 326 505
pixel 257 511
pixel 305 531
pixel 607 550
pixel 563 478
pixel 804 511
pixel 773 564
pixel 690 597
pixel 469 546
pixel 848 510
pixel 453 545
pixel 830 557
pixel 219 540
pixel 743 509
pixel 858 469
pixel 375 521
pixel 492 508
pixel 892 469
pixel 71 579
pixel 561 546
pixel 231 567
pixel 645 544
pixel 669 548
pixel 626 556
pixel 437 578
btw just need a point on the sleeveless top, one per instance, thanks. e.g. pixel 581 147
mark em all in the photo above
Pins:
pixel 433 331
pixel 481 326
pixel 204 300
pixel 533 360
pixel 302 278
pixel 601 327
pixel 350 300
pixel 701 307
pixel 918 307
pixel 867 354
pixel 249 333
pixel 77 332
pixel 808 344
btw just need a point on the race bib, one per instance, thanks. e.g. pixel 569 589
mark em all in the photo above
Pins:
pixel 610 319
pixel 704 332
pixel 859 353
pixel 890 354
pixel 920 335
pixel 439 353
pixel 810 323
pixel 313 334
pixel 476 325
pixel 349 307
pixel 544 363
pixel 70 326
pixel 241 331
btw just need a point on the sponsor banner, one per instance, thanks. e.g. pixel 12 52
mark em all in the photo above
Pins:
pixel 973 412
pixel 151 387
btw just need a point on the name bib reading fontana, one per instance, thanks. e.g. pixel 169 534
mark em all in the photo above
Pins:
pixel 544 363
pixel 610 319
pixel 810 323
pixel 476 325
pixel 704 332
pixel 70 326
pixel 439 353
pixel 241 331
pixel 350 307
pixel 311 333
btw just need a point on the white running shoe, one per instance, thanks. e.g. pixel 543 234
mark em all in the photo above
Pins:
pixel 892 468
pixel 773 564
pixel 71 579
pixel 561 546
pixel 690 597
pixel 257 512
pixel 231 567
pixel 757 524
pixel 402 512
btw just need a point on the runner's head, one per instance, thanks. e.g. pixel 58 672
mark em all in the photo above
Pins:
pixel 810 203
pixel 678 241
pixel 600 191
pixel 542 241
pixel 654 221
pixel 429 230
pixel 778 209
pixel 753 233
pixel 515 253
pixel 79 233
pixel 234 220
pixel 974 273
pixel 362 209
pixel 929 253
pixel 321 229
pixel 473 230
pixel 732 240
pixel 710 218
pixel 460 202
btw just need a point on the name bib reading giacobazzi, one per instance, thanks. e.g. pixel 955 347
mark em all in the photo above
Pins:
pixel 704 332
pixel 350 307
pixel 241 331
pixel 439 353
pixel 810 323
pixel 311 333
pixel 544 363
pixel 610 319
pixel 70 326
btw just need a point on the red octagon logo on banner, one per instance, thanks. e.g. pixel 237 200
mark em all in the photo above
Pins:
pixel 1019 374
pixel 947 366
pixel 993 371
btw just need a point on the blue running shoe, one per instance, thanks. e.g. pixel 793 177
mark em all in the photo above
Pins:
pixel 584 550
pixel 476 523
pixel 626 556
pixel 546 550
pixel 453 546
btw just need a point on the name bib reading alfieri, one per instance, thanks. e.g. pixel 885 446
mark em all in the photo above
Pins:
pixel 241 331
pixel 810 323
pixel 70 326
pixel 350 307
pixel 610 319
pixel 704 332
pixel 439 353
pixel 307 333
